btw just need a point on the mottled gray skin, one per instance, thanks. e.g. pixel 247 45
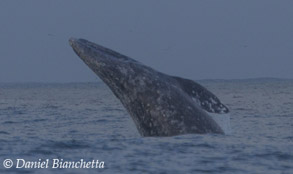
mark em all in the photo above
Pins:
pixel 159 104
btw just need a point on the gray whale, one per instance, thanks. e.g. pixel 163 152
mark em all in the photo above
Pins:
pixel 159 104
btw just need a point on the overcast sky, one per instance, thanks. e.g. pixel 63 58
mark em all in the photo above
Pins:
pixel 204 39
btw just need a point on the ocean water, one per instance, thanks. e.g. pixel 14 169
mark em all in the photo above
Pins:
pixel 85 121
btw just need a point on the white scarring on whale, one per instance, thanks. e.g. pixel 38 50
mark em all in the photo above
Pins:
pixel 159 104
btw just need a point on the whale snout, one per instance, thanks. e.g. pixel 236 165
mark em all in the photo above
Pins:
pixel 88 50
pixel 72 41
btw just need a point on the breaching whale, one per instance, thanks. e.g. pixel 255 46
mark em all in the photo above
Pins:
pixel 159 104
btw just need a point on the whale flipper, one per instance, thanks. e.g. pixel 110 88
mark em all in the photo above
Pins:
pixel 201 96
pixel 159 104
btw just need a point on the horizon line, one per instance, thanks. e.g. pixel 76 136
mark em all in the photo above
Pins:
pixel 99 80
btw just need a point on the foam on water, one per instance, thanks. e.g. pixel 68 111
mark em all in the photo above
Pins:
pixel 223 121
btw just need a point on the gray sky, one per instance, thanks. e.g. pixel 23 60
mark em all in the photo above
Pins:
pixel 202 39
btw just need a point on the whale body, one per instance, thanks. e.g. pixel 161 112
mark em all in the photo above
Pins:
pixel 159 104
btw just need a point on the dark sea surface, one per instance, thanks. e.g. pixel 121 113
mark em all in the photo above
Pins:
pixel 75 121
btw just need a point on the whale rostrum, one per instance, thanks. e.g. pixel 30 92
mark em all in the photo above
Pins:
pixel 159 104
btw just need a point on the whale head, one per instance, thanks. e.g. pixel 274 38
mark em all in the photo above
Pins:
pixel 113 68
